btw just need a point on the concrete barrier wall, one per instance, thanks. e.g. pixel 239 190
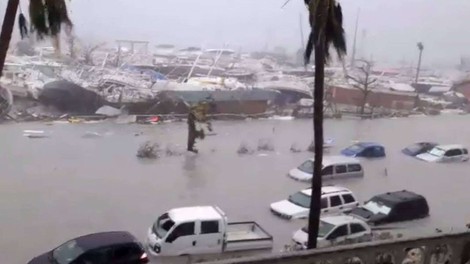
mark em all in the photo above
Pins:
pixel 443 248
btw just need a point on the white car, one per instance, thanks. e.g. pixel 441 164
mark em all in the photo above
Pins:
pixel 334 200
pixel 445 153
pixel 333 167
pixel 335 230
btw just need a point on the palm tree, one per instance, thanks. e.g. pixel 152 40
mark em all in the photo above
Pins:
pixel 326 22
pixel 47 18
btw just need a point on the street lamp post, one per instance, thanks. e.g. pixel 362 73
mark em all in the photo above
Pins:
pixel 420 47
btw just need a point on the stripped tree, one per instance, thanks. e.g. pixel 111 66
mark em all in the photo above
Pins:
pixel 363 82
pixel 326 22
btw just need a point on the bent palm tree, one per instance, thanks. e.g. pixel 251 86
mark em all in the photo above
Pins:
pixel 326 22
pixel 47 18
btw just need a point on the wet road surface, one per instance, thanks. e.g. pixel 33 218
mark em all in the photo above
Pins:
pixel 57 188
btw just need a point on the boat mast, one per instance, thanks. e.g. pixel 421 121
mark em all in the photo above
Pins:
pixel 353 56
pixel 302 38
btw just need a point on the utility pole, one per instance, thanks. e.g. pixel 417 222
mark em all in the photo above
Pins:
pixel 353 56
pixel 420 48
pixel 7 29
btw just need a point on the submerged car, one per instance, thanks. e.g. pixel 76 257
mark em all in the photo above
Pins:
pixel 118 247
pixel 334 200
pixel 365 150
pixel 334 230
pixel 418 148
pixel 334 167
pixel 392 207
pixel 445 153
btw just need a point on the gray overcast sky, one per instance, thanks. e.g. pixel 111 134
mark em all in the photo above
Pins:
pixel 392 27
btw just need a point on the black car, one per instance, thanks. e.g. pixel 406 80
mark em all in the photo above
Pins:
pixel 418 148
pixel 117 247
pixel 392 207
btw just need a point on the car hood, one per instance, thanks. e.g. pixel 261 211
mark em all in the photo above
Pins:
pixel 348 152
pixel 299 175
pixel 408 152
pixel 300 237
pixel 428 157
pixel 41 259
pixel 287 208
pixel 366 215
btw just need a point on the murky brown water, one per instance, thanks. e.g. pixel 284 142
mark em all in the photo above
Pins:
pixel 57 188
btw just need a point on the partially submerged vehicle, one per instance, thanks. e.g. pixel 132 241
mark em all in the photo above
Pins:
pixel 392 207
pixel 105 247
pixel 445 153
pixel 204 230
pixel 333 167
pixel 365 150
pixel 418 148
pixel 334 230
pixel 334 200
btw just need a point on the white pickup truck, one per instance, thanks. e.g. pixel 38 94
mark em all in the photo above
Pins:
pixel 203 230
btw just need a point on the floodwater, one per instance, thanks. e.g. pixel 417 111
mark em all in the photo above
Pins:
pixel 56 188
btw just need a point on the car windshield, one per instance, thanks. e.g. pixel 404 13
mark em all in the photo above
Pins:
pixel 323 230
pixel 307 167
pixel 355 148
pixel 438 152
pixel 300 199
pixel 67 252
pixel 414 148
pixel 163 225
pixel 376 207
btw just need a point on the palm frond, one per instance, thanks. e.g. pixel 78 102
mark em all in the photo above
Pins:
pixel 48 16
pixel 331 28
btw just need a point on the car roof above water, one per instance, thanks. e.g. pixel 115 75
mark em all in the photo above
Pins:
pixel 195 213
pixel 331 160
pixel 328 190
pixel 399 197
pixel 450 146
pixel 103 239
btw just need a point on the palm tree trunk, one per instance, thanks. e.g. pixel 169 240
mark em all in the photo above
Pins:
pixel 315 204
pixel 7 29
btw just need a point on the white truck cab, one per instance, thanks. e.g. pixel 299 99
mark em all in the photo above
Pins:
pixel 203 230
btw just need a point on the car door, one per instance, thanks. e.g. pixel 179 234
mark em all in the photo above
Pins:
pixel 336 204
pixel 350 202
pixel 465 154
pixel 181 240
pixel 356 231
pixel 126 254
pixel 341 171
pixel 327 172
pixel 338 235
pixel 95 256
pixel 210 238
pixel 324 203
pixel 453 155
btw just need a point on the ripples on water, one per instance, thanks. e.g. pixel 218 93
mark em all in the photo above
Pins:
pixel 56 188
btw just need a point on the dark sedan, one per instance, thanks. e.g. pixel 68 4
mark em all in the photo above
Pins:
pixel 418 148
pixel 118 247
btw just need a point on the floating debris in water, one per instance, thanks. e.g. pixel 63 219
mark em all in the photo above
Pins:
pixel 173 151
pixel 294 148
pixel 244 149
pixel 149 150
pixel 90 134
pixel 265 145
pixel 35 134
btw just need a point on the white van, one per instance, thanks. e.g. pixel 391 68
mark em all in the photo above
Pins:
pixel 333 167
pixel 334 200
